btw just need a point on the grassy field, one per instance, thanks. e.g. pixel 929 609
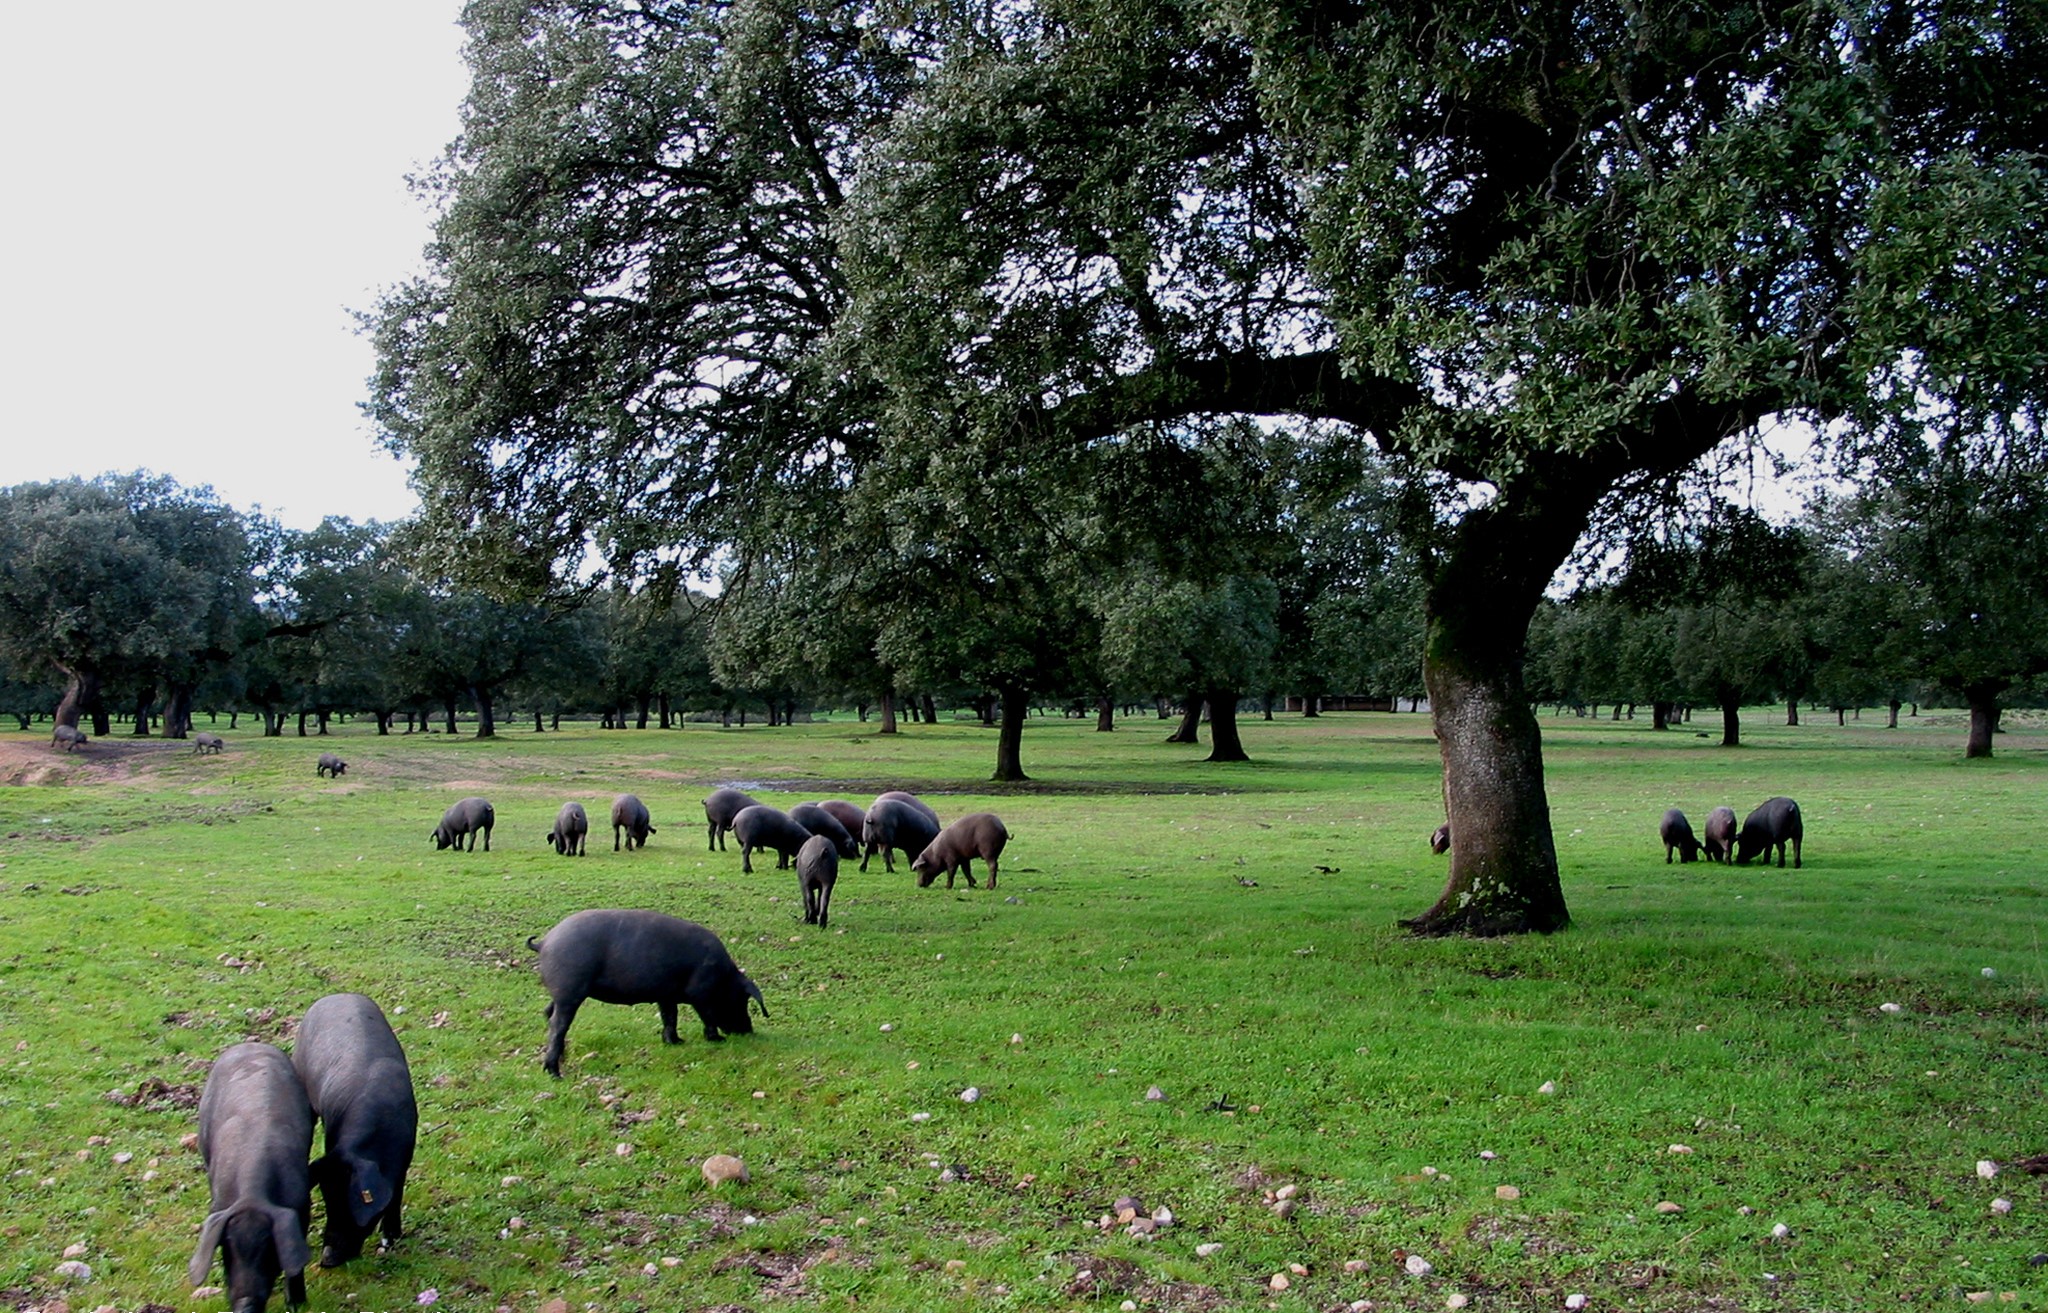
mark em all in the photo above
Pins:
pixel 1626 1110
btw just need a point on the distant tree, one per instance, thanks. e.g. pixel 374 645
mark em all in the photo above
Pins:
pixel 1957 532
pixel 127 576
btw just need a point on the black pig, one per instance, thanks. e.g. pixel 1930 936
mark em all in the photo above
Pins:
pixel 360 1088
pixel 628 957
pixel 255 1133
pixel 1770 826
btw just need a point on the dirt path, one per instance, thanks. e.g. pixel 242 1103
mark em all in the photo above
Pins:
pixel 102 761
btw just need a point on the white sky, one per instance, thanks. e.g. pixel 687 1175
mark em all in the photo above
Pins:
pixel 197 195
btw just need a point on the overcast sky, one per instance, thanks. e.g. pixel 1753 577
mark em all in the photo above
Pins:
pixel 198 195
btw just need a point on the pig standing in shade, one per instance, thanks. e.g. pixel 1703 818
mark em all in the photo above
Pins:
pixel 360 1088
pixel 255 1133
pixel 623 956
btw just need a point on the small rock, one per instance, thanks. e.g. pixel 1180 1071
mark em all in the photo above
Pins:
pixel 1429 1171
pixel 1507 1192
pixel 1999 1206
pixel 1016 1039
pixel 74 1251
pixel 622 1149
pixel 189 1141
pixel 1418 1266
pixel 1128 1203
pixel 1889 1007
pixel 555 1306
pixel 1355 1265
pixel 124 1158
pixel 1278 1281
pixel 1780 1231
pixel 722 1167
pixel 1163 1215
pixel 1129 1306
pixel 1284 1209
pixel 972 1094
pixel 1978 1296
pixel 204 1293
pixel 1487 1155
pixel 1456 1300
pixel 1679 1148
pixel 96 1141
pixel 1986 1168
pixel 887 1027
pixel 1547 1087
pixel 1297 1269
pixel 1575 1302
pixel 1287 1191
pixel 956 1265
pixel 1154 1094
pixel 73 1270
pixel 515 1223
pixel 1990 974
pixel 510 1180
pixel 649 1269
pixel 1208 1250
pixel 1669 1209
pixel 1141 1226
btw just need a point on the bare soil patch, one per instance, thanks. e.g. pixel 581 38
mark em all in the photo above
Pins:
pixel 102 761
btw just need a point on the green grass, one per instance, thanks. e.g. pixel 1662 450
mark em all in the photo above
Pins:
pixel 1297 1035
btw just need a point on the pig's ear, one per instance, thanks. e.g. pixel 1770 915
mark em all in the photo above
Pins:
pixel 288 1232
pixel 209 1240
pixel 368 1192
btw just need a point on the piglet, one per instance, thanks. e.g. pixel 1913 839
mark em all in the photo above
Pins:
pixel 255 1134
pixel 1720 844
pixel 360 1088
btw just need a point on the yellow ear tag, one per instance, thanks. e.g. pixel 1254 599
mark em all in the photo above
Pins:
pixel 366 1196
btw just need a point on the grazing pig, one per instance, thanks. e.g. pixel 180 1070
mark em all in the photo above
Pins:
pixel 629 957
pixel 760 827
pixel 1676 832
pixel 630 819
pixel 848 815
pixel 255 1133
pixel 1720 843
pixel 572 827
pixel 817 870
pixel 898 795
pixel 824 824
pixel 892 824
pixel 1770 826
pixel 360 1088
pixel 719 810
pixel 466 817
pixel 1440 839
pixel 979 835
pixel 331 766
pixel 204 743
pixel 68 737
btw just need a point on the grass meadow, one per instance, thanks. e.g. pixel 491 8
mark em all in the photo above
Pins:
pixel 1718 1041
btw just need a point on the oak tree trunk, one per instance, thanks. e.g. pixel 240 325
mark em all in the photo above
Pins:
pixel 486 724
pixel 1731 720
pixel 1224 744
pixel 1190 729
pixel 1105 714
pixel 1016 705
pixel 1983 701
pixel 888 712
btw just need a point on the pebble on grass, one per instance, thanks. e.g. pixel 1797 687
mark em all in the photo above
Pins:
pixel 1986 1168
pixel 1669 1209
pixel 1507 1192
pixel 2001 1206
pixel 722 1167
pixel 1418 1266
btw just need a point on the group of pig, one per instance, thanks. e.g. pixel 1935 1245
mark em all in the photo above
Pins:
pixel 1773 825
pixel 256 1115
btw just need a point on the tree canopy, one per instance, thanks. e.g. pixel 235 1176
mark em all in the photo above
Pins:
pixel 706 267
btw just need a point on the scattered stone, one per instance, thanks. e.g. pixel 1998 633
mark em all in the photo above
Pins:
pixel 202 1294
pixel 670 1260
pixel 1287 1191
pixel 1978 1296
pixel 622 1149
pixel 972 1094
pixel 190 1140
pixel 1016 1039
pixel 1208 1250
pixel 1163 1215
pixel 1129 1306
pixel 515 1223
pixel 1679 1148
pixel 1155 1095
pixel 1547 1087
pixel 1780 1231
pixel 1297 1269
pixel 1456 1300
pixel 124 1158
pixel 1355 1265
pixel 1284 1209
pixel 1278 1282
pixel 956 1265
pixel 1575 1302
pixel 1128 1203
pixel 1429 1171
pixel 556 1305
pixel 1669 1209
pixel 1999 1206
pixel 1889 1007
pixel 1487 1155
pixel 1418 1266
pixel 1141 1227
pixel 1990 974
pixel 509 1181
pixel 74 1251
pixel 887 1027
pixel 1986 1168
pixel 722 1167
pixel 1507 1192
pixel 73 1270
pixel 649 1269
pixel 920 1116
